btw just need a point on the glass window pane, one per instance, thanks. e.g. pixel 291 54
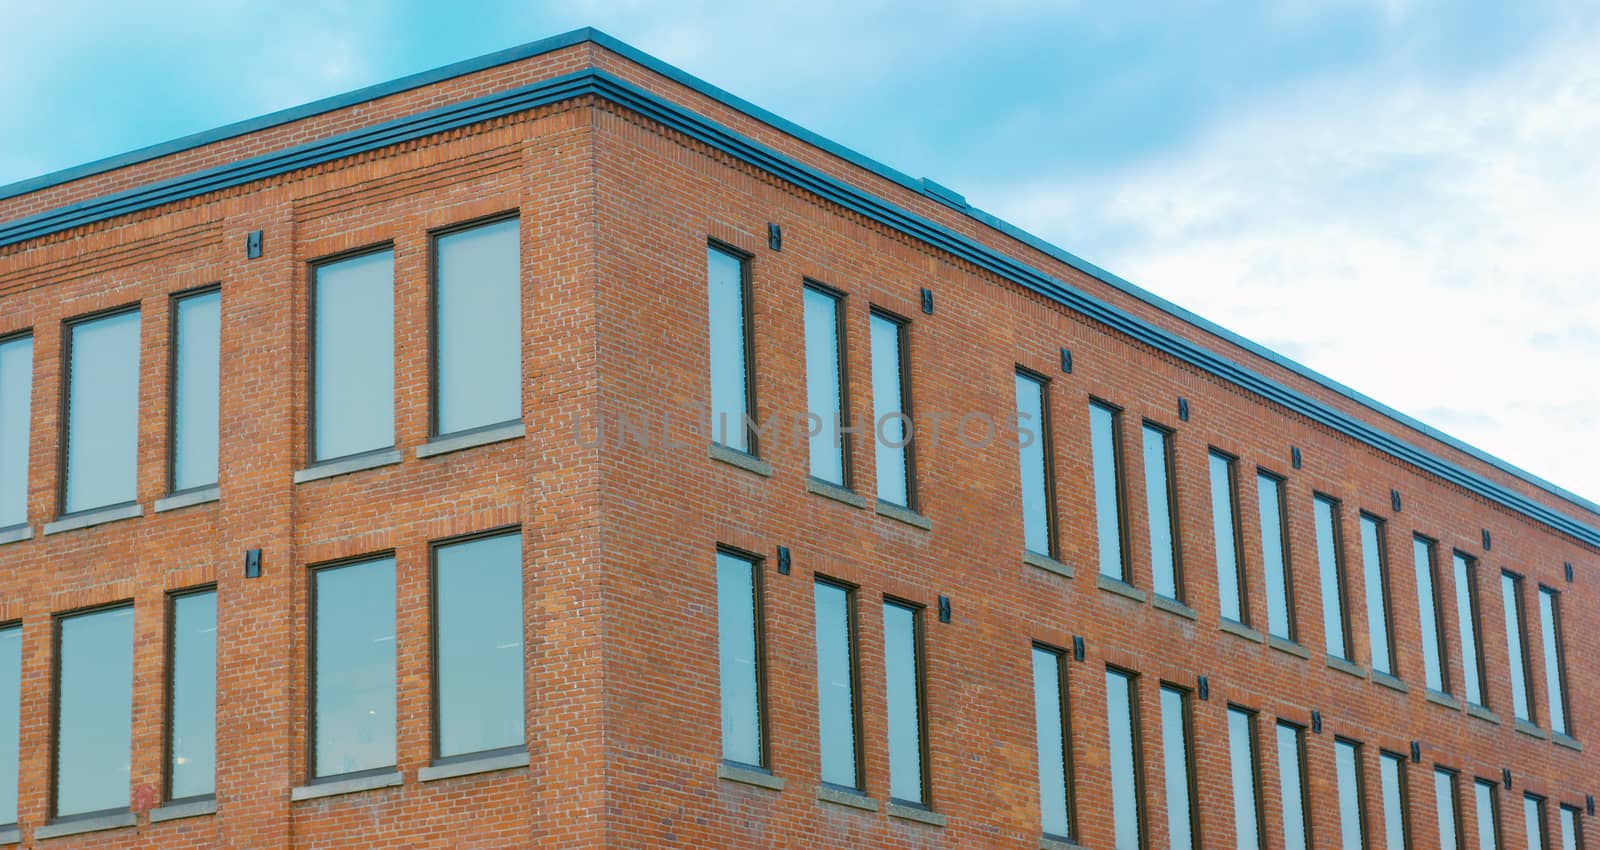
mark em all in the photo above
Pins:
pixel 478 617
pixel 195 391
pixel 1280 621
pixel 1328 561
pixel 1487 817
pixel 1511 593
pixel 1163 542
pixel 739 659
pixel 901 651
pixel 1571 839
pixel 891 424
pixel 16 415
pixel 1444 798
pixel 1054 815
pixel 1291 789
pixel 1373 569
pixel 1391 775
pixel 824 388
pixel 1554 664
pixel 10 728
pixel 94 725
pixel 354 685
pixel 191 770
pixel 1428 615
pixel 1031 425
pixel 1107 483
pixel 1467 618
pixel 1347 765
pixel 1225 531
pixel 1178 768
pixel 1122 732
pixel 836 685
pixel 353 368
pixel 478 326
pixel 103 412
pixel 1242 759
pixel 1533 821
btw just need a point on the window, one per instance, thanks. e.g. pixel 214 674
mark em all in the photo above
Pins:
pixel 1050 723
pixel 477 634
pixel 1533 820
pixel 192 695
pixel 10 717
pixel 352 360
pixel 1571 829
pixel 1033 440
pixel 1275 556
pixel 838 720
pixel 477 326
pixel 1178 767
pixel 93 712
pixel 1166 563
pixel 102 440
pixel 1466 576
pixel 1517 646
pixel 902 664
pixel 1486 801
pixel 196 388
pixel 733 404
pixel 1242 759
pixel 1225 530
pixel 1330 561
pixel 353 672
pixel 1555 665
pixel 740 660
pixel 891 411
pixel 1430 616
pixel 825 384
pixel 1447 809
pixel 1106 447
pixel 1292 786
pixel 16 413
pixel 1374 567
pixel 1127 786
pixel 1396 818
pixel 1352 805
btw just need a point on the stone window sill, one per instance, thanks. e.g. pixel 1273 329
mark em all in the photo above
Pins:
pixel 347 465
pixel 905 515
pixel 1288 646
pixel 846 797
pixel 352 785
pixel 1346 666
pixel 749 776
pixel 1119 587
pixel 743 460
pixel 16 534
pixel 90 823
pixel 1528 729
pixel 1238 629
pixel 1390 682
pixel 99 516
pixel 835 492
pixel 1048 843
pixel 1484 714
pixel 1438 698
pixel 914 813
pixel 1567 741
pixel 469 766
pixel 1173 606
pixel 186 809
pixel 201 496
pixel 447 443
pixel 1046 563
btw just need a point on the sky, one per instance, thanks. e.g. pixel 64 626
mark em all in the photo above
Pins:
pixel 1398 194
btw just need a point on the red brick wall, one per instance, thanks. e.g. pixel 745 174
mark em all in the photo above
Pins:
pixel 618 541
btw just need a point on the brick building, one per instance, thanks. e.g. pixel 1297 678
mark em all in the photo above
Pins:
pixel 307 541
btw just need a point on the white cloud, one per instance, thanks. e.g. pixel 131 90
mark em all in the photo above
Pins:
pixel 1431 245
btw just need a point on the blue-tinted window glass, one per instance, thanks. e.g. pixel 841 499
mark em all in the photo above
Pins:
pixel 1392 777
pixel 1158 508
pixel 1467 620
pixel 1242 759
pixel 1374 573
pixel 1347 767
pixel 16 413
pixel 355 673
pixel 192 760
pixel 836 685
pixel 478 327
pixel 478 601
pixel 1433 668
pixel 1488 815
pixel 1055 813
pixel 1554 663
pixel 1291 787
pixel 824 384
pixel 1533 821
pixel 10 715
pixel 902 651
pixel 195 391
pixel 1107 486
pixel 1225 531
pixel 94 720
pixel 103 412
pixel 730 341
pixel 1122 731
pixel 1571 836
pixel 1274 557
pixel 892 430
pixel 1177 768
pixel 1331 567
pixel 739 659
pixel 1031 423
pixel 1445 811
pixel 353 372
pixel 1516 645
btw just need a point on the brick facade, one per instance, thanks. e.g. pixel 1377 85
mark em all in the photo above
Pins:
pixel 621 629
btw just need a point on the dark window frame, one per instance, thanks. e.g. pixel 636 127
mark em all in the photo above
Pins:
pixel 853 619
pixel 1281 486
pixel 1441 638
pixel 313 270
pixel 746 262
pixel 1474 600
pixel 434 236
pixel 311 669
pixel 1136 727
pixel 920 647
pixel 1560 659
pixel 1169 440
pixel 1362 815
pixel 1519 599
pixel 1253 718
pixel 1455 802
pixel 841 302
pixel 907 403
pixel 1381 531
pixel 1542 808
pixel 1404 779
pixel 758 599
pixel 1065 719
pixel 433 643
pixel 9 337
pixel 169 630
pixel 64 402
pixel 1231 462
pixel 54 754
pixel 1341 571
pixel 1494 807
pixel 1119 475
pixel 1048 447
pixel 1190 766
pixel 1305 777
pixel 173 300
pixel 1577 823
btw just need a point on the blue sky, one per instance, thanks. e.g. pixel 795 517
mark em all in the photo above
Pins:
pixel 1398 193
